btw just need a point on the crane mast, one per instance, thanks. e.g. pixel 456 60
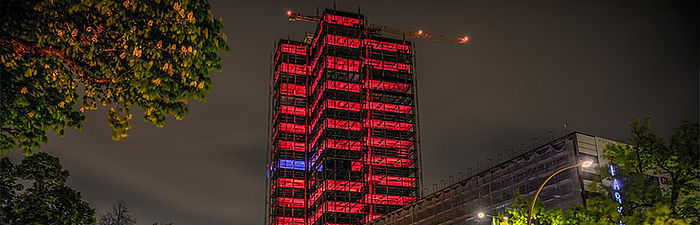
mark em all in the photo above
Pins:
pixel 386 29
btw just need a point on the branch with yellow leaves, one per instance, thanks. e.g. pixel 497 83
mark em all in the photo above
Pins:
pixel 25 48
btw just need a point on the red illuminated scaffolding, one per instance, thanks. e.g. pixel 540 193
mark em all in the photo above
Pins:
pixel 343 138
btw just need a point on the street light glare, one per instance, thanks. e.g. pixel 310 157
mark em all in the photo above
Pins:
pixel 586 164
pixel 505 218
pixel 480 215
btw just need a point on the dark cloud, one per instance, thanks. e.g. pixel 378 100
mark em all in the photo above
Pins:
pixel 531 66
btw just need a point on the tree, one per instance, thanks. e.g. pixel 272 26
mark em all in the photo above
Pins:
pixel 118 215
pixel 645 202
pixel 648 155
pixel 597 211
pixel 47 201
pixel 155 55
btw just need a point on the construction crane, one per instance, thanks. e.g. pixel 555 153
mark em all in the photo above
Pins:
pixel 386 29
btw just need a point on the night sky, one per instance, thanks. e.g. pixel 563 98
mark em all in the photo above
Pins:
pixel 530 67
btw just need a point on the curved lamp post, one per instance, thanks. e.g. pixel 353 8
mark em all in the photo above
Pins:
pixel 493 218
pixel 532 205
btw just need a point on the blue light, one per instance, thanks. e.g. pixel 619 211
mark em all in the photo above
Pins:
pixel 612 170
pixel 292 164
pixel 616 185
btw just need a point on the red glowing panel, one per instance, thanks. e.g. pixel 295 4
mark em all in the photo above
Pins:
pixel 356 166
pixel 343 124
pixel 391 180
pixel 390 66
pixel 371 217
pixel 315 196
pixel 338 85
pixel 391 161
pixel 342 41
pixel 339 104
pixel 387 46
pixel 289 183
pixel 291 202
pixel 387 86
pixel 290 221
pixel 299 111
pixel 292 128
pixel 339 185
pixel 390 125
pixel 341 20
pixel 292 146
pixel 345 207
pixel 343 144
pixel 388 199
pixel 315 216
pixel 294 68
pixel 389 107
pixel 342 64
pixel 295 49
pixel 293 89
pixel 317 79
pixel 388 143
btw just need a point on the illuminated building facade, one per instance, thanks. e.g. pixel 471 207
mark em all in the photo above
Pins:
pixel 343 144
pixel 492 189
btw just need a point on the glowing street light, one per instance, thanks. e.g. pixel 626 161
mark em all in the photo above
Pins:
pixel 584 164
pixel 481 215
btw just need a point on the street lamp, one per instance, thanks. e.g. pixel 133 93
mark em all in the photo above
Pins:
pixel 493 218
pixel 532 205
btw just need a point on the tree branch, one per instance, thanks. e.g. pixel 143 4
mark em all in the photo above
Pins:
pixel 23 47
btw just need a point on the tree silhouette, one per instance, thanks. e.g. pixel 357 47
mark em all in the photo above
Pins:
pixel 118 215
pixel 47 201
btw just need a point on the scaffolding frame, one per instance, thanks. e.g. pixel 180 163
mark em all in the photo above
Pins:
pixel 347 151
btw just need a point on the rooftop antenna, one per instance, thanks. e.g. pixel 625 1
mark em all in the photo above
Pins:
pixel 359 10
pixel 333 4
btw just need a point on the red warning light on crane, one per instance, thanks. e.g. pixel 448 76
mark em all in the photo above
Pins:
pixel 464 40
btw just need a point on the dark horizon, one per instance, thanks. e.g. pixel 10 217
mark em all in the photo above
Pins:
pixel 530 68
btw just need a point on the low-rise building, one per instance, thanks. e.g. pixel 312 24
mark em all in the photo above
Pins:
pixel 493 189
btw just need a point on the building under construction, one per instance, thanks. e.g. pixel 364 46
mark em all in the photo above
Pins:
pixel 343 126
pixel 491 190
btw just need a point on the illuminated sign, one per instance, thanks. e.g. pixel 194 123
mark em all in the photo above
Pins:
pixel 616 186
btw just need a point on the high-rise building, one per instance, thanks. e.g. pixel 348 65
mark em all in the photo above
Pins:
pixel 343 145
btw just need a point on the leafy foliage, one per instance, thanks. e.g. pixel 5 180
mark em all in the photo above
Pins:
pixel 645 203
pixel 597 211
pixel 118 54
pixel 47 201
pixel 648 154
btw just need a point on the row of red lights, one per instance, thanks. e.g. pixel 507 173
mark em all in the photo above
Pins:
pixel 350 43
pixel 342 20
pixel 391 180
pixel 294 49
